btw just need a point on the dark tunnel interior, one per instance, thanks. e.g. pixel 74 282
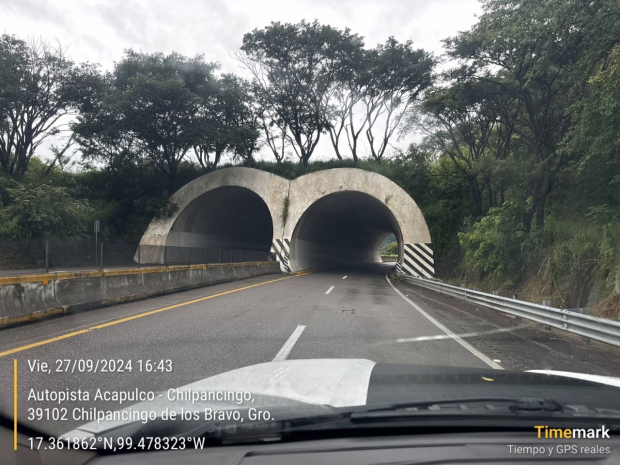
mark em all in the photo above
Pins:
pixel 226 217
pixel 343 228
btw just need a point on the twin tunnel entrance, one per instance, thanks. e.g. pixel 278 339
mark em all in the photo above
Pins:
pixel 328 218
pixel 342 228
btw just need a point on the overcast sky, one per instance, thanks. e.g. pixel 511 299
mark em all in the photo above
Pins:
pixel 99 30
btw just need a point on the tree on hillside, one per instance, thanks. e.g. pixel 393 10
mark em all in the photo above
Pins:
pixel 397 75
pixel 153 99
pixel 345 110
pixel 464 122
pixel 595 135
pixel 296 69
pixel 541 53
pixel 39 87
pixel 147 111
pixel 156 108
pixel 227 122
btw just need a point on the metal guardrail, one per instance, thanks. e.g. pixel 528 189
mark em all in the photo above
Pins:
pixel 599 329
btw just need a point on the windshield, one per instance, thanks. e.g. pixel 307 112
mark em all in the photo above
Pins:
pixel 221 218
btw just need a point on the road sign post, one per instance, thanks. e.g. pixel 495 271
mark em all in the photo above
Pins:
pixel 96 228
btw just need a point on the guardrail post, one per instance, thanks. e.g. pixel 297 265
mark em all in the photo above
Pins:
pixel 101 255
pixel 47 256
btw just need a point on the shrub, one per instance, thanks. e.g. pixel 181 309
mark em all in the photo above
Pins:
pixel 44 211
pixel 492 246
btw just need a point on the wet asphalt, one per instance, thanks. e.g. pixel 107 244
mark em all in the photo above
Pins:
pixel 346 313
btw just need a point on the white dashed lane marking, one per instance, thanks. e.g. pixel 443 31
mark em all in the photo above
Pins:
pixel 288 345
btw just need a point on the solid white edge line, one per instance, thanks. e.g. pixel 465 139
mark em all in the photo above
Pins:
pixel 329 290
pixel 288 345
pixel 466 345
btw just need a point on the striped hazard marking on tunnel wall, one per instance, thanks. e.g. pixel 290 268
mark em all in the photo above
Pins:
pixel 281 249
pixel 418 260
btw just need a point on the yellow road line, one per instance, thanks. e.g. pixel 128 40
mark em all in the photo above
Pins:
pixel 58 275
pixel 140 315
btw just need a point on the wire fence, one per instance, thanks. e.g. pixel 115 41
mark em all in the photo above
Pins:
pixel 79 253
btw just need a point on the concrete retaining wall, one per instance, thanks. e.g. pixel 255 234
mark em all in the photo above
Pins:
pixel 23 298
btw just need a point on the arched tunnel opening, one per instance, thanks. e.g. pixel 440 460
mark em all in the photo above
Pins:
pixel 228 218
pixel 343 228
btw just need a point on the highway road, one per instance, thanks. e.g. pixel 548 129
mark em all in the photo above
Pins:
pixel 346 313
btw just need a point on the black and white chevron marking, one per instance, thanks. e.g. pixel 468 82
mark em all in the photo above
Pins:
pixel 281 249
pixel 418 260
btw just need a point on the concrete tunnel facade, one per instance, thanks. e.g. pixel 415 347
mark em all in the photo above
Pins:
pixel 331 217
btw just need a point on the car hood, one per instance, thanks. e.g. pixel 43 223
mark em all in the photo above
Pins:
pixel 358 382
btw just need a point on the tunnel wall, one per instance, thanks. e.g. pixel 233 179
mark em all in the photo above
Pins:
pixel 271 189
pixel 288 201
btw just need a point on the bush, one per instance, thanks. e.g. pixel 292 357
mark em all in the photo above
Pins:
pixel 493 246
pixel 581 257
pixel 390 249
pixel 44 211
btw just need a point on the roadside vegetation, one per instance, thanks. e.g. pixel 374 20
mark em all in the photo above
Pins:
pixel 517 170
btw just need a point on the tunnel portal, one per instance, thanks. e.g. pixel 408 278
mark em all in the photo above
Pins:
pixel 331 217
pixel 228 217
pixel 343 228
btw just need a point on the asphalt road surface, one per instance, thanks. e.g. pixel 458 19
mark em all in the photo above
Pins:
pixel 349 313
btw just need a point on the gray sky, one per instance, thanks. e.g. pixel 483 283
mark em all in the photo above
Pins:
pixel 99 30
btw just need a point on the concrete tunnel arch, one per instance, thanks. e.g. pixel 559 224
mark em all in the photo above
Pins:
pixel 336 216
pixel 342 228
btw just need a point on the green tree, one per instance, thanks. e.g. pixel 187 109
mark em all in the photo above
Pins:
pixel 227 123
pixel 397 75
pixel 390 249
pixel 464 121
pixel 45 211
pixel 541 53
pixel 493 245
pixel 296 68
pixel 151 108
pixel 374 96
pixel 39 86
pixel 595 136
